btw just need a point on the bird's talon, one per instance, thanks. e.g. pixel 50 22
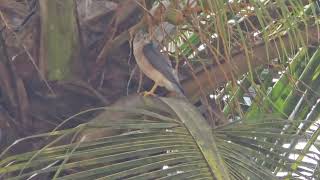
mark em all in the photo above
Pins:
pixel 148 93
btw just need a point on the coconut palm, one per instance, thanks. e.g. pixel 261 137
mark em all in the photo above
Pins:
pixel 250 70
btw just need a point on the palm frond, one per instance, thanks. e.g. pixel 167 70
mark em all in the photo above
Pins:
pixel 161 138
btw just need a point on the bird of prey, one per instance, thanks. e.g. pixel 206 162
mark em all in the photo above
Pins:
pixel 154 64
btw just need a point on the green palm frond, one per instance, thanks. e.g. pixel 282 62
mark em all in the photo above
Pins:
pixel 161 138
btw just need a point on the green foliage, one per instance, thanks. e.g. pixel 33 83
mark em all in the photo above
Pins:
pixel 163 138
pixel 169 139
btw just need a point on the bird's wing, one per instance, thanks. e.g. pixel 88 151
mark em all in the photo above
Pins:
pixel 160 62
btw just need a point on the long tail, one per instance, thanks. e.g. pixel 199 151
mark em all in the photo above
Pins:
pixel 179 90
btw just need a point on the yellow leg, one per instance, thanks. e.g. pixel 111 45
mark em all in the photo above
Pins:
pixel 151 92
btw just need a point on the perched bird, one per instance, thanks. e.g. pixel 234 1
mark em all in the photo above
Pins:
pixel 154 64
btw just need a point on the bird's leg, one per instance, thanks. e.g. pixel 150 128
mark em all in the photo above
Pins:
pixel 151 92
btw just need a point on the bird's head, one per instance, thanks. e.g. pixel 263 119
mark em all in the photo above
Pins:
pixel 141 36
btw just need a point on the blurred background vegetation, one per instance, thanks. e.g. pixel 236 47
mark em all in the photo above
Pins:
pixel 69 90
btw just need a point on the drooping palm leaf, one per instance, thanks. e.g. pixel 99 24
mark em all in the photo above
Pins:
pixel 158 138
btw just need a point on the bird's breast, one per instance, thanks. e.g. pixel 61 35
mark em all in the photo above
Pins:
pixel 147 68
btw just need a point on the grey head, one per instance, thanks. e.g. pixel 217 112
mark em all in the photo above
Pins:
pixel 142 36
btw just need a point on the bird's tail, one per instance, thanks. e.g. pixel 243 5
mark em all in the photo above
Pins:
pixel 180 90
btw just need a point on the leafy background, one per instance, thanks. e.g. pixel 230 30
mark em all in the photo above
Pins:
pixel 250 70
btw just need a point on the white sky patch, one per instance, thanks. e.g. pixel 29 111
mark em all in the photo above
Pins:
pixel 255 34
pixel 300 146
pixel 201 47
pixel 275 80
pixel 247 100
pixel 215 35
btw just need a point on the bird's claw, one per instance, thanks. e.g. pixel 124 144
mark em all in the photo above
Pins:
pixel 148 93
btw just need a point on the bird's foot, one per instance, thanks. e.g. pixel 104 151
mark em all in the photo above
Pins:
pixel 148 93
